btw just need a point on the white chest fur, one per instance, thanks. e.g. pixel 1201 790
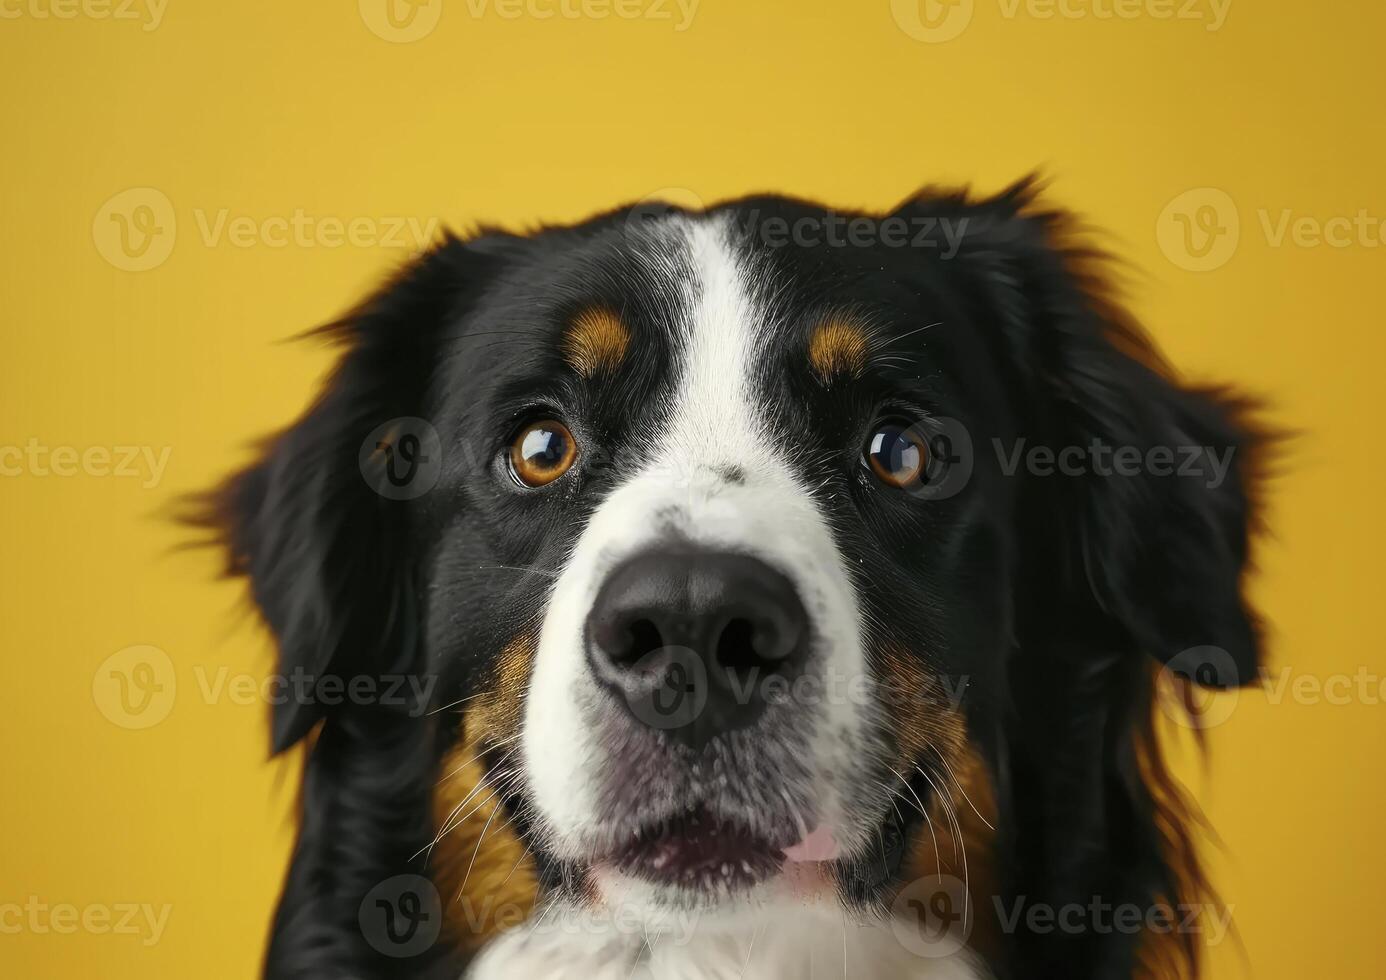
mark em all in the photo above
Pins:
pixel 817 941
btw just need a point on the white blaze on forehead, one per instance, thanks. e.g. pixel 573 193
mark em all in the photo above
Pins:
pixel 716 418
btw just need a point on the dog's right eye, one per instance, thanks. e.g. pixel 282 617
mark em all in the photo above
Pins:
pixel 897 454
pixel 541 452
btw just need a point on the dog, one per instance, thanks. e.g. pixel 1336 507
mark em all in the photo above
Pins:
pixel 783 607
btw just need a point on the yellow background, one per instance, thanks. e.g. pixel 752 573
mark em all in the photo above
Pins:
pixel 265 108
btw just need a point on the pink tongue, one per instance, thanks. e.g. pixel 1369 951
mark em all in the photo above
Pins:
pixel 817 846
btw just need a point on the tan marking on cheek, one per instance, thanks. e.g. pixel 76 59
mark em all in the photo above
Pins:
pixel 596 342
pixel 495 715
pixel 930 726
pixel 498 891
pixel 924 713
pixel 838 346
pixel 958 830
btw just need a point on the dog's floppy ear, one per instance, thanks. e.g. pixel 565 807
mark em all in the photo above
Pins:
pixel 321 525
pixel 1119 558
pixel 1147 507
pixel 313 525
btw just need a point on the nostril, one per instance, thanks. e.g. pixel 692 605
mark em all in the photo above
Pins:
pixel 642 636
pixel 746 645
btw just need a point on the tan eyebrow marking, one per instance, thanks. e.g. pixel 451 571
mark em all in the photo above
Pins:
pixel 838 345
pixel 596 341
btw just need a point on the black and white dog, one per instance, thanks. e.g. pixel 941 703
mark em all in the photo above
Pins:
pixel 793 589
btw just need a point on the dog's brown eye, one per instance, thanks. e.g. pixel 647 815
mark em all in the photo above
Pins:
pixel 897 453
pixel 542 452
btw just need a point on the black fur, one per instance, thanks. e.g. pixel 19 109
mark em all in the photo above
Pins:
pixel 1045 593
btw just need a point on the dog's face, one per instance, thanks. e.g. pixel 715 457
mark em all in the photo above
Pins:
pixel 731 560
pixel 709 537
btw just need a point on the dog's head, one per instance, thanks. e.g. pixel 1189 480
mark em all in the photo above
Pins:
pixel 735 537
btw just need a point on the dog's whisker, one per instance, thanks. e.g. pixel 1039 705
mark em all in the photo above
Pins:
pixel 492 746
pixel 469 697
pixel 938 858
pixel 959 841
pixel 961 789
pixel 910 333
pixel 751 948
pixel 492 796
pixel 447 821
pixel 524 568
pixel 453 820
pixel 479 841
pixel 518 861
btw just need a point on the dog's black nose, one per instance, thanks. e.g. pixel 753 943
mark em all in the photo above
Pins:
pixel 696 642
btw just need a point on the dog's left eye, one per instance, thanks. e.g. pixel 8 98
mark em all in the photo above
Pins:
pixel 897 453
pixel 541 452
